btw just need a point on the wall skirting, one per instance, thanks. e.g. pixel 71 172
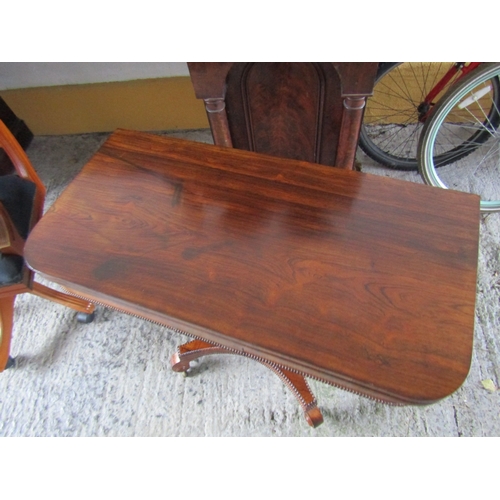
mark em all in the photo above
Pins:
pixel 153 104
pixel 150 104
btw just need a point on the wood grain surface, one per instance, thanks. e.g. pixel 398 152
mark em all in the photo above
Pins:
pixel 361 281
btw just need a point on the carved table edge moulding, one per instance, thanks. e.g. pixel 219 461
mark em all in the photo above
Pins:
pixel 198 208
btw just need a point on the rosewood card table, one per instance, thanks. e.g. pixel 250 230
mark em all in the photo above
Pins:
pixel 360 281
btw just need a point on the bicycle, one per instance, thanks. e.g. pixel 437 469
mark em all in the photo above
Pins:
pixel 468 110
pixel 404 95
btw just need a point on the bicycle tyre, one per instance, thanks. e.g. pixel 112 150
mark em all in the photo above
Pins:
pixel 447 121
pixel 398 93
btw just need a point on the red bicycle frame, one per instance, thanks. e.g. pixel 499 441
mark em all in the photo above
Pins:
pixel 459 68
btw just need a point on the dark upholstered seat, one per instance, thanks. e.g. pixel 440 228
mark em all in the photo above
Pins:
pixel 16 195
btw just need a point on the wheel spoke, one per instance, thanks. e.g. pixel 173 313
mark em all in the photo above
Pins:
pixel 392 127
pixel 464 130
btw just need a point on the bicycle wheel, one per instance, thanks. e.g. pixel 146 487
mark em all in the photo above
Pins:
pixel 468 110
pixel 392 124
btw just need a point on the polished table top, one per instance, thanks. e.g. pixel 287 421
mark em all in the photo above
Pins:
pixel 358 280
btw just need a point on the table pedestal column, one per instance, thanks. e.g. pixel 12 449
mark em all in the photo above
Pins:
pixel 295 381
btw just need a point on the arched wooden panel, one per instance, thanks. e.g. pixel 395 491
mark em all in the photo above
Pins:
pixel 303 111
pixel 291 110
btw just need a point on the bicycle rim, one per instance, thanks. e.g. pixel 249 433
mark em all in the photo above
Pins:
pixel 470 109
pixel 391 127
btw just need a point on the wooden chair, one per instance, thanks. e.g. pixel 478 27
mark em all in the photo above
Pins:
pixel 22 197
pixel 303 111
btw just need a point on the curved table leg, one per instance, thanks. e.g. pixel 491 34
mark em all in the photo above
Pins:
pixel 300 389
pixel 193 350
pixel 296 382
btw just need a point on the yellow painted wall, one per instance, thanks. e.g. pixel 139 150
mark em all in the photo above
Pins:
pixel 152 104
pixel 170 103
